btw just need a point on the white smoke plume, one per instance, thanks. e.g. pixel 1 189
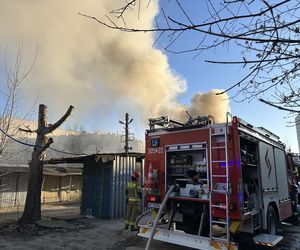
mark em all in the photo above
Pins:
pixel 210 104
pixel 103 73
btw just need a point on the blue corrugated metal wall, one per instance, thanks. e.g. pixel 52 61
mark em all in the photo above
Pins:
pixel 90 201
pixel 103 191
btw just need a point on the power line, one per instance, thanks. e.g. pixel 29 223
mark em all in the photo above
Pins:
pixel 38 146
pixel 12 138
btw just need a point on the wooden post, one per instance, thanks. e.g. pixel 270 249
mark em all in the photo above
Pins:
pixel 16 189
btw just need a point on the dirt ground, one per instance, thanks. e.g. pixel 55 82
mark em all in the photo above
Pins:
pixel 67 230
pixel 83 233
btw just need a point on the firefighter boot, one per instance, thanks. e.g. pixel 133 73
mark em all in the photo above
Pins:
pixel 133 228
pixel 126 226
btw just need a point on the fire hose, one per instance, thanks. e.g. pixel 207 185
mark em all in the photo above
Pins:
pixel 162 207
pixel 141 216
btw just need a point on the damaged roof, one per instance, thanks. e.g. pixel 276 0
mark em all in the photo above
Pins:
pixel 105 157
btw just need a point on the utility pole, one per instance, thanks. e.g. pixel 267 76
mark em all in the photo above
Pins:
pixel 127 136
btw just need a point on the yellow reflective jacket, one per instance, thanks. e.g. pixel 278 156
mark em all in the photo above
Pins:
pixel 133 191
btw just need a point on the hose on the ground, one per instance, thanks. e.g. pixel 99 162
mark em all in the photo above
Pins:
pixel 162 207
pixel 141 216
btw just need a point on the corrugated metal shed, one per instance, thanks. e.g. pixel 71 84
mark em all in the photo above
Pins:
pixel 122 169
pixel 105 178
pixel 104 185
pixel 13 188
pixel 13 184
pixel 59 184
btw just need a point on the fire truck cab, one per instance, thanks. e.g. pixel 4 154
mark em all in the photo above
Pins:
pixel 216 180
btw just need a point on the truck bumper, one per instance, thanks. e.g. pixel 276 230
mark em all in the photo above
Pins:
pixel 184 239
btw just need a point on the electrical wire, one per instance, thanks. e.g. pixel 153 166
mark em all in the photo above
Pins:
pixel 12 138
pixel 38 146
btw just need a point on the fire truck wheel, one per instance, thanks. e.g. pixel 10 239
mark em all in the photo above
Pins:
pixel 272 222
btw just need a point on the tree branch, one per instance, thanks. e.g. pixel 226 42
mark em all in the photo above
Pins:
pixel 51 128
pixel 27 130
pixel 278 107
pixel 120 11
pixel 47 144
pixel 253 61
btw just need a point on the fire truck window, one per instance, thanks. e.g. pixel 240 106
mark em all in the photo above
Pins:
pixel 154 142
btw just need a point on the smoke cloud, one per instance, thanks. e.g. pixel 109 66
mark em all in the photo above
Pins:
pixel 210 104
pixel 99 71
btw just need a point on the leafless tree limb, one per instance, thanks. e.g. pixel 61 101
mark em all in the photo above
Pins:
pixel 51 127
pixel 277 106
pixel 27 130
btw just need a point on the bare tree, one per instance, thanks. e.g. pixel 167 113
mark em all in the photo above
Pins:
pixel 14 77
pixel 32 210
pixel 266 35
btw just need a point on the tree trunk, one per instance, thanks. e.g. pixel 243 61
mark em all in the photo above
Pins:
pixel 32 210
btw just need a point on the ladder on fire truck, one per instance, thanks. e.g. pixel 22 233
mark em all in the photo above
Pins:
pixel 219 141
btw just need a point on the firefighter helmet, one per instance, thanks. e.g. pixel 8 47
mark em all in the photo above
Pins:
pixel 135 174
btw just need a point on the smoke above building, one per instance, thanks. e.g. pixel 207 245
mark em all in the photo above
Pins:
pixel 98 70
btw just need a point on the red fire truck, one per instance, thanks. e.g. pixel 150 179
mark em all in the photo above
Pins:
pixel 210 181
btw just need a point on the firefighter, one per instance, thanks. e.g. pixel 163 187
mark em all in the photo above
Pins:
pixel 133 196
